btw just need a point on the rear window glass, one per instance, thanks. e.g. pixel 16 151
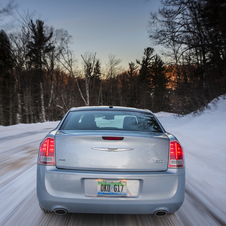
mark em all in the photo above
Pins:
pixel 110 120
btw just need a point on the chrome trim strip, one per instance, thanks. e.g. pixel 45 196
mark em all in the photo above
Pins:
pixel 111 149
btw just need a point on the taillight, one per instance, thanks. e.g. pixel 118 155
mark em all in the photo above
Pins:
pixel 46 152
pixel 176 155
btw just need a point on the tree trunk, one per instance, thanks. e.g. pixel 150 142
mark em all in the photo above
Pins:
pixel 51 93
pixel 19 108
pixel 32 117
pixel 1 114
pixel 80 91
pixel 43 116
pixel 26 106
pixel 87 92
pixel 100 99
pixel 10 107
pixel 52 84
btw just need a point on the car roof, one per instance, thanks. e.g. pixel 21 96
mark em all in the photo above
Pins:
pixel 109 108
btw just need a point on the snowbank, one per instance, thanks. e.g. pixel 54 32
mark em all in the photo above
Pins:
pixel 204 143
pixel 24 128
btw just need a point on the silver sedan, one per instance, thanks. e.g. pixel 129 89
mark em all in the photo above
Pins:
pixel 110 160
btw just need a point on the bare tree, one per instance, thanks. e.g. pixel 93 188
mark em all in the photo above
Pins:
pixel 113 66
pixel 19 41
pixel 133 68
pixel 193 32
pixel 66 58
pixel 6 10
pixel 89 61
pixel 59 38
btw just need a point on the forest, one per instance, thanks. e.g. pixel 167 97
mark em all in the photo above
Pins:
pixel 39 80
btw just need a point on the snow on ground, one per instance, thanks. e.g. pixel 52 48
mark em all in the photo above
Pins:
pixel 204 143
pixel 24 128
pixel 202 138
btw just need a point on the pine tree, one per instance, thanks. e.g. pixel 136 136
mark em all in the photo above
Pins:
pixel 145 64
pixel 96 86
pixel 158 84
pixel 97 71
pixel 7 81
pixel 38 47
pixel 5 52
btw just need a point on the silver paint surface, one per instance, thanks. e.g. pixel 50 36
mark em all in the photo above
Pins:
pixel 83 157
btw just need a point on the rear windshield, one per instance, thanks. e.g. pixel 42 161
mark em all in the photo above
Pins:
pixel 111 120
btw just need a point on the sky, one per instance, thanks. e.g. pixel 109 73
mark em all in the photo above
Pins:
pixel 104 27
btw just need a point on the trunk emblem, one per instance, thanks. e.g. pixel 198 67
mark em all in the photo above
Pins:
pixel 159 161
pixel 113 149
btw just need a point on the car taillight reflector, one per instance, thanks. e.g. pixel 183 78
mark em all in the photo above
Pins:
pixel 176 155
pixel 113 138
pixel 46 152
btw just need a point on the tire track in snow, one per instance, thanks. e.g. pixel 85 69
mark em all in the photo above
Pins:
pixel 19 205
pixel 211 212
pixel 13 193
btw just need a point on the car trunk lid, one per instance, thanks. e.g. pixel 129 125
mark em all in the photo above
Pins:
pixel 133 151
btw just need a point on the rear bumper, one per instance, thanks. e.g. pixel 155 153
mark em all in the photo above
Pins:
pixel 75 191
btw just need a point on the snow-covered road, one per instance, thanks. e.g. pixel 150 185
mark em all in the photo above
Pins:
pixel 202 138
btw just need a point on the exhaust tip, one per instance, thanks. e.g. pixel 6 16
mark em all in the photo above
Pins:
pixel 60 211
pixel 160 213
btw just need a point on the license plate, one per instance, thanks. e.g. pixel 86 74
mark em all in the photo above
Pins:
pixel 109 187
